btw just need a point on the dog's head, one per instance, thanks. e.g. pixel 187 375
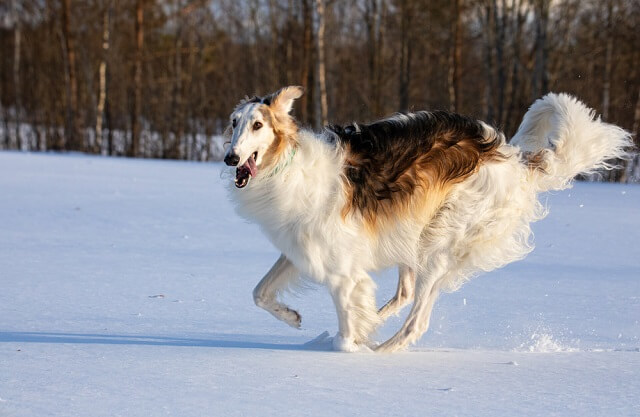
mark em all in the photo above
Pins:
pixel 260 128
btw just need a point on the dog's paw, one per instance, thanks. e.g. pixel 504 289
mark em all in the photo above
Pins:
pixel 342 344
pixel 291 317
pixel 372 345
pixel 390 347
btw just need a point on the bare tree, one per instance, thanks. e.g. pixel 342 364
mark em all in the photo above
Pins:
pixel 406 49
pixel 17 31
pixel 540 83
pixel 636 120
pixel 289 40
pixel 500 21
pixel 374 14
pixel 176 106
pixel 323 108
pixel 608 61
pixel 274 31
pixel 72 125
pixel 488 14
pixel 136 107
pixel 455 56
pixel 4 113
pixel 634 164
pixel 514 92
pixel 102 74
pixel 306 76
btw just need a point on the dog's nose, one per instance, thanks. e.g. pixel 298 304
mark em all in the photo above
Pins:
pixel 231 159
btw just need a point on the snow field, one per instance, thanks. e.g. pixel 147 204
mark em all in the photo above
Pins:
pixel 125 290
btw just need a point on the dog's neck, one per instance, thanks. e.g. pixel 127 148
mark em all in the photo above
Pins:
pixel 285 161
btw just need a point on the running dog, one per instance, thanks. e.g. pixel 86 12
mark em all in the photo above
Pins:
pixel 440 195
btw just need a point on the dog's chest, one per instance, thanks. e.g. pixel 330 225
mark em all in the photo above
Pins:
pixel 314 250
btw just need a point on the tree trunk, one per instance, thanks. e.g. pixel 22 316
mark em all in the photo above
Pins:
pixel 323 110
pixel 72 127
pixel 102 96
pixel 107 119
pixel 636 121
pixel 405 53
pixel 606 84
pixel 501 81
pixel 289 44
pixel 52 109
pixel 3 113
pixel 379 69
pixel 275 48
pixel 613 175
pixel 258 76
pixel 633 165
pixel 490 35
pixel 455 56
pixel 592 94
pixel 176 115
pixel 189 111
pixel 17 38
pixel 374 13
pixel 136 107
pixel 514 85
pixel 306 76
pixel 540 76
pixel 562 38
pixel 370 15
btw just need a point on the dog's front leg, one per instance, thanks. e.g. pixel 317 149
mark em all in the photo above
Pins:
pixel 354 299
pixel 265 295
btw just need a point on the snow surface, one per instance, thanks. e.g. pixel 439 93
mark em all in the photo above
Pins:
pixel 125 290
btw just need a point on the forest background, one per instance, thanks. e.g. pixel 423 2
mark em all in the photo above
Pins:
pixel 158 78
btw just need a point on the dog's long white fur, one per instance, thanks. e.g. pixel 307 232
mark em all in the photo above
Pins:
pixel 484 223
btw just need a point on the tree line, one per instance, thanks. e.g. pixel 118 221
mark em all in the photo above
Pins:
pixel 158 78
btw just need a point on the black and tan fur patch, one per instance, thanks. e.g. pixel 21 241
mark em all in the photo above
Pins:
pixel 410 161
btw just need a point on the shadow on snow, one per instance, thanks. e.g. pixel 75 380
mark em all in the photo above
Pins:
pixel 217 341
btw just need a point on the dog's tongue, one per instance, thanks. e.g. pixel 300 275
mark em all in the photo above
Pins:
pixel 250 166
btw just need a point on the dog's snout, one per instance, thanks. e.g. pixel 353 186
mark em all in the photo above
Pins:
pixel 232 159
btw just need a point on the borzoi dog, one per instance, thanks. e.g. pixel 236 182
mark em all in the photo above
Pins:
pixel 440 195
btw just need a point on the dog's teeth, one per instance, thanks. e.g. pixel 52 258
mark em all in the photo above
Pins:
pixel 241 183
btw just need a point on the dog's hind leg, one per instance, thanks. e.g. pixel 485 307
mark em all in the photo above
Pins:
pixel 426 293
pixel 404 293
pixel 265 295
pixel 355 304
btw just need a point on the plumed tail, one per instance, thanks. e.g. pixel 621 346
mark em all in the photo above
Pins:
pixel 560 137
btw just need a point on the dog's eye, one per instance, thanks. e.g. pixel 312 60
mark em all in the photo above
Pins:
pixel 234 123
pixel 257 125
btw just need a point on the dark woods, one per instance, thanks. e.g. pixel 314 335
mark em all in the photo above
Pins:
pixel 155 78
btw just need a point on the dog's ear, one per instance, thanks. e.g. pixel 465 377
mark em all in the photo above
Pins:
pixel 282 100
pixel 337 129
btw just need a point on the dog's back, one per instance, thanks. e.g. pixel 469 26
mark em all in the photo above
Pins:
pixel 405 165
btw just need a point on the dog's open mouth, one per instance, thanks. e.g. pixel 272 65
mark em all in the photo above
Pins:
pixel 246 171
